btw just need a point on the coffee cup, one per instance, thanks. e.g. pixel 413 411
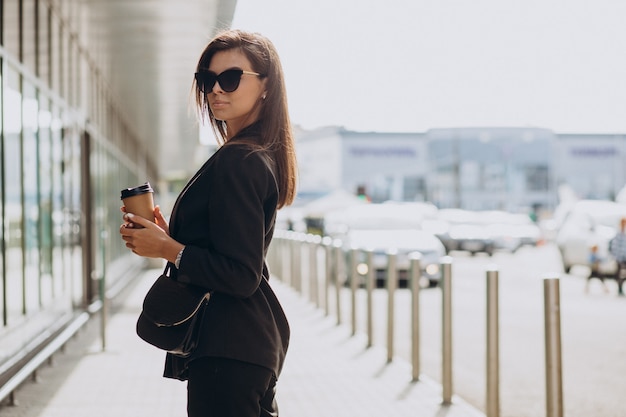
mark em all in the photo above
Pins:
pixel 139 200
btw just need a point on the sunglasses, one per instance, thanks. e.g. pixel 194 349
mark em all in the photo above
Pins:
pixel 229 79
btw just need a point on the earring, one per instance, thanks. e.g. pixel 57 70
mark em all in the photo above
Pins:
pixel 263 96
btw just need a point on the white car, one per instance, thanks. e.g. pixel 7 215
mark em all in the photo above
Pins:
pixel 511 231
pixel 588 223
pixel 404 242
pixel 465 230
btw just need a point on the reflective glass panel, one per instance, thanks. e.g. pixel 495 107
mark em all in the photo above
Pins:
pixel 31 197
pixel 11 26
pixel 2 276
pixel 13 230
pixel 45 202
pixel 56 195
pixel 29 26
pixel 43 43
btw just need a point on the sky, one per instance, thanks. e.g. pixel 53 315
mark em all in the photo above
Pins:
pixel 413 65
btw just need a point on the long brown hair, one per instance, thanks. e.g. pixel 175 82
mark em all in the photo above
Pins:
pixel 276 134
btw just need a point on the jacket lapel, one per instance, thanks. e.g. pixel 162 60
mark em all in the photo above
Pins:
pixel 193 179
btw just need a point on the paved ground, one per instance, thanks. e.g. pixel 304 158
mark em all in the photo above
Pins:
pixel 327 373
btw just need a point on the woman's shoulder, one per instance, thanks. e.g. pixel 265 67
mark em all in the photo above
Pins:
pixel 240 151
pixel 243 157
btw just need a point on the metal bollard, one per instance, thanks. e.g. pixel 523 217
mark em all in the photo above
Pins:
pixel 339 274
pixel 286 259
pixel 302 258
pixel 392 283
pixel 493 344
pixel 305 269
pixel 295 262
pixel 416 275
pixel 313 269
pixel 104 313
pixel 369 285
pixel 446 330
pixel 552 311
pixel 327 242
pixel 272 255
pixel 353 276
pixel 282 258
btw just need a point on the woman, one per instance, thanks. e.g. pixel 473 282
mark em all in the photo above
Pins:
pixel 222 224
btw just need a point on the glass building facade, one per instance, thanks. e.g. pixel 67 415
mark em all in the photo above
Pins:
pixel 65 153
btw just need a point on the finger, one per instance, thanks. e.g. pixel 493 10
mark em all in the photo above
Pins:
pixel 138 220
pixel 126 229
pixel 160 219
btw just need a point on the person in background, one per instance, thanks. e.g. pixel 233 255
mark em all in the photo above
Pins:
pixel 221 226
pixel 594 262
pixel 617 248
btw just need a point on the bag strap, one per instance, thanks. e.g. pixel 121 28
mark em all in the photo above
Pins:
pixel 166 271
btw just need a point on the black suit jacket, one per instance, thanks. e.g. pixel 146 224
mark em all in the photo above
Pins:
pixel 225 218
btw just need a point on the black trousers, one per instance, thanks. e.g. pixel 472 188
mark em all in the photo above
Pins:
pixel 219 387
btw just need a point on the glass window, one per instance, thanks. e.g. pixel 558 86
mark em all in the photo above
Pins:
pixel 55 53
pixel 29 34
pixel 11 27
pixel 30 113
pixel 2 276
pixel 66 67
pixel 537 178
pixel 56 262
pixel 45 203
pixel 12 111
pixel 72 255
pixel 73 73
pixel 43 43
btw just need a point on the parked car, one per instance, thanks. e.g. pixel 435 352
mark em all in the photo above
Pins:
pixel 464 230
pixel 404 242
pixel 511 231
pixel 588 223
pixel 337 223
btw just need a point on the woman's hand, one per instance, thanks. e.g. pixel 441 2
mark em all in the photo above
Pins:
pixel 151 240
pixel 158 217
pixel 160 220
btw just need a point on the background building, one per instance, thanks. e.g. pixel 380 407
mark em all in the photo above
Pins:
pixel 513 169
pixel 384 166
pixel 594 166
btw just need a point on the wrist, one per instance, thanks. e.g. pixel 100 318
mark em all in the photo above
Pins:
pixel 179 256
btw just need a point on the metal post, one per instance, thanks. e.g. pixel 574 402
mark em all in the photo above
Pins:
pixel 371 274
pixel 282 257
pixel 416 275
pixel 300 245
pixel 392 283
pixel 305 271
pixel 339 274
pixel 446 330
pixel 103 288
pixel 493 344
pixel 552 309
pixel 294 262
pixel 328 262
pixel 271 255
pixel 285 259
pixel 313 274
pixel 352 274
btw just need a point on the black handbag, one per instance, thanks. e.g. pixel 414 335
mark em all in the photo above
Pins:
pixel 172 314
